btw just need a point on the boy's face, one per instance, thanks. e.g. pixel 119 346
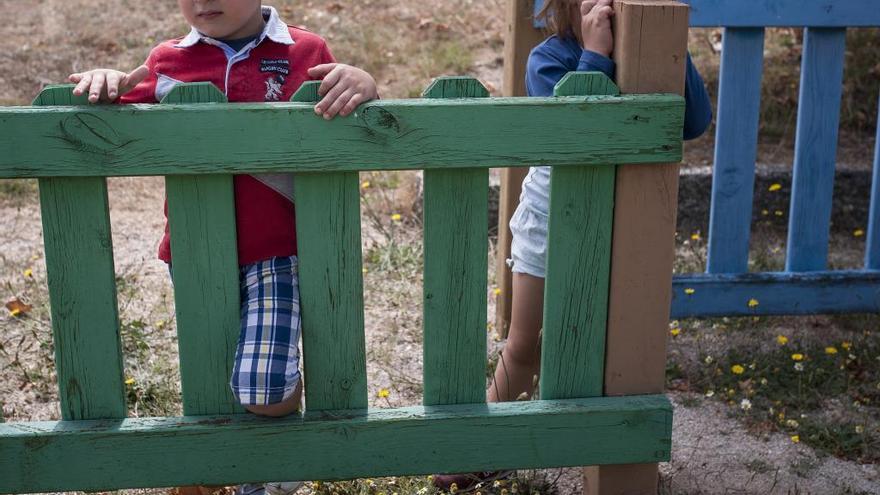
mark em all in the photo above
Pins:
pixel 224 19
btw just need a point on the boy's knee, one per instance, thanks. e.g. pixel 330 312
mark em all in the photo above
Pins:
pixel 278 409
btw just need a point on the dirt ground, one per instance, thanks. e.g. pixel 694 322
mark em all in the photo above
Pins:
pixel 712 451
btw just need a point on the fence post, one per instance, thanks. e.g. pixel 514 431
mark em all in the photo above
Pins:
pixel 650 51
pixel 521 38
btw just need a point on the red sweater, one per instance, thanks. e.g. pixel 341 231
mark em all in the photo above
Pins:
pixel 270 71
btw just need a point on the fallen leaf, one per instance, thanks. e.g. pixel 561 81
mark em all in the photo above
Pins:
pixel 17 308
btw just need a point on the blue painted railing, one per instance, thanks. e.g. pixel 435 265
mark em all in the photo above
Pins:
pixel 806 286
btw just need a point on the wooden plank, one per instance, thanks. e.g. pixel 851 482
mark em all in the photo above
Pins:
pixel 576 288
pixel 82 289
pixel 331 290
pixel 121 140
pixel 151 452
pixel 872 250
pixel 455 274
pixel 736 149
pixel 776 293
pixel 201 213
pixel 578 263
pixel 521 36
pixel 797 13
pixel 650 46
pixel 815 149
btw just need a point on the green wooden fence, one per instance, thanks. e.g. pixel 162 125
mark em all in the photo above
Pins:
pixel 455 134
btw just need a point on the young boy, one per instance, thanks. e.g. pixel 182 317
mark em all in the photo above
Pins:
pixel 250 55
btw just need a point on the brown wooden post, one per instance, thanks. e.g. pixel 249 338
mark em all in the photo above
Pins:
pixel 520 39
pixel 650 46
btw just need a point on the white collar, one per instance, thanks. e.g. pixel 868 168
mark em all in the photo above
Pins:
pixel 274 29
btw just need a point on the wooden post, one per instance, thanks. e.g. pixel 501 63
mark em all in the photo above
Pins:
pixel 521 38
pixel 650 45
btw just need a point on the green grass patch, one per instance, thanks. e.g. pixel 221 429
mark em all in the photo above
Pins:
pixel 823 394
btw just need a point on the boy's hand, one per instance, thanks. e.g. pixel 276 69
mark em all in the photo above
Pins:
pixel 105 85
pixel 596 32
pixel 344 88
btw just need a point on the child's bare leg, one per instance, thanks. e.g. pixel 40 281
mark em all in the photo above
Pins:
pixel 520 360
pixel 283 408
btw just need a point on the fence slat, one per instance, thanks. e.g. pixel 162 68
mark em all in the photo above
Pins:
pixel 815 149
pixel 872 251
pixel 455 280
pixel 201 214
pixel 206 139
pixel 736 148
pixel 331 290
pixel 82 289
pixel 768 13
pixel 578 267
pixel 154 452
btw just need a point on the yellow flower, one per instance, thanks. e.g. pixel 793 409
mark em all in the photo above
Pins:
pixel 497 291
pixel 364 270
pixel 795 438
pixel 383 393
pixel 14 312
pixel 675 331
pixel 797 356
pixel 753 303
pixel 29 273
pixel 129 381
pixel 858 233
pixel 781 415
pixel 831 350
pixel 737 369
pixel 778 213
pixel 774 187
pixel 781 339
pixel 396 217
pixel 365 184
pixel 846 345
pixel 860 429
pixel 689 291
pixel 765 212
pixel 695 236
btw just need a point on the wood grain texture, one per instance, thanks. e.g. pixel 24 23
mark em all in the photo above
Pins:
pixel 150 452
pixel 872 250
pixel 576 287
pixel 776 293
pixel 650 49
pixel 201 215
pixel 736 149
pixel 124 140
pixel 331 290
pixel 815 153
pixel 82 290
pixel 455 273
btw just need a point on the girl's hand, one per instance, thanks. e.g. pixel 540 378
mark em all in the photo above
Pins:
pixel 596 34
pixel 105 85
pixel 344 88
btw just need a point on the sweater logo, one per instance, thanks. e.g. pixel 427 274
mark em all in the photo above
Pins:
pixel 276 65
pixel 278 70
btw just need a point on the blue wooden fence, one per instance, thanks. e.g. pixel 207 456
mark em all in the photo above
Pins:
pixel 806 286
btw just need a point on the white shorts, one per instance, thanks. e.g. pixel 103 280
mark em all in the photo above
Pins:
pixel 528 247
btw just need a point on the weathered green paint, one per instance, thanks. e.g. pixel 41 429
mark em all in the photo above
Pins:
pixel 82 291
pixel 328 233
pixel 201 216
pixel 455 87
pixel 59 94
pixel 585 83
pixel 578 270
pixel 127 140
pixel 222 450
pixel 199 92
pixel 455 245
pixel 307 92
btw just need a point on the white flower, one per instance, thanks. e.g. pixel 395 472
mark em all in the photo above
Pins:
pixel 745 405
pixel 710 393
pixel 799 366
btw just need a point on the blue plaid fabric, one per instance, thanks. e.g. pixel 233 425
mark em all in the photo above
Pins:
pixel 266 368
